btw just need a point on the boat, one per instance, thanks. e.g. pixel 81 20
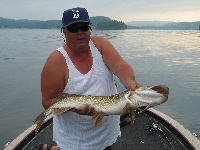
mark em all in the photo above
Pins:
pixel 152 129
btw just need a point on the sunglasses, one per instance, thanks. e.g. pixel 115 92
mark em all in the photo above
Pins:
pixel 73 28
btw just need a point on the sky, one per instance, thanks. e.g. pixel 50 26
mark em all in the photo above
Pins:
pixel 121 10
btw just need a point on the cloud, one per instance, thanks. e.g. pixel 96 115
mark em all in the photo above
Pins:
pixel 126 10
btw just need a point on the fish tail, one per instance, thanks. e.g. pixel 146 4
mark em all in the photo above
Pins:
pixel 39 120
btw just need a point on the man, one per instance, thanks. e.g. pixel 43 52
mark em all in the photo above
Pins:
pixel 83 65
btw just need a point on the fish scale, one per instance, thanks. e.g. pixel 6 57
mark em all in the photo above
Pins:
pixel 102 102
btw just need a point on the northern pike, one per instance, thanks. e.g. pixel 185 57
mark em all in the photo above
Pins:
pixel 127 101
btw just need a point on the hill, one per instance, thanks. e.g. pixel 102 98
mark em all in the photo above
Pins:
pixel 29 24
pixel 164 25
pixel 182 26
pixel 99 22
pixel 148 23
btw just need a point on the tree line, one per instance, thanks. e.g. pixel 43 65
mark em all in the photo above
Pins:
pixel 171 26
pixel 98 22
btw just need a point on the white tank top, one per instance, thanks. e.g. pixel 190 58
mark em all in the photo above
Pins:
pixel 76 132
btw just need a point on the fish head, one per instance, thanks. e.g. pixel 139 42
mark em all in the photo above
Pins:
pixel 153 91
pixel 146 97
pixel 127 95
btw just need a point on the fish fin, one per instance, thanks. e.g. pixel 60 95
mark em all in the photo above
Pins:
pixel 125 109
pixel 131 115
pixel 98 116
pixel 141 109
pixel 39 120
pixel 98 121
pixel 57 111
pixel 95 116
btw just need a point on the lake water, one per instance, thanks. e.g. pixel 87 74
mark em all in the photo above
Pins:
pixel 158 57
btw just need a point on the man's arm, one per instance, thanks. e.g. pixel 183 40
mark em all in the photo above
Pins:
pixel 115 62
pixel 52 78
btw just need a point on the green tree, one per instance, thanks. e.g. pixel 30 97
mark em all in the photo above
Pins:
pixel 111 25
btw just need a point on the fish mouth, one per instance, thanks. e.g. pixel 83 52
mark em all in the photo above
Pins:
pixel 162 89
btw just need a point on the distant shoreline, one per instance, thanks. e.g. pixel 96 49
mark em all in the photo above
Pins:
pixel 100 23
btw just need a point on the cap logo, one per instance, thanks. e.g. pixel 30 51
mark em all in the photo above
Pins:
pixel 75 13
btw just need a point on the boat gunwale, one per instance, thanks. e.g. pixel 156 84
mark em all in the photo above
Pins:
pixel 25 137
pixel 185 136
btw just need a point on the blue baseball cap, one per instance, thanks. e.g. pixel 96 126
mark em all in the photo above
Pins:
pixel 73 15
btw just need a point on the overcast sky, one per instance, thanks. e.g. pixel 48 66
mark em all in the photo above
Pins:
pixel 121 10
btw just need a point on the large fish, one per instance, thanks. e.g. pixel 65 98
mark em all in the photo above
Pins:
pixel 141 98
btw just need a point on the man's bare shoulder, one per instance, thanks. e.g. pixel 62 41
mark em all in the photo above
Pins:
pixel 99 42
pixel 55 56
pixel 55 60
pixel 97 38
